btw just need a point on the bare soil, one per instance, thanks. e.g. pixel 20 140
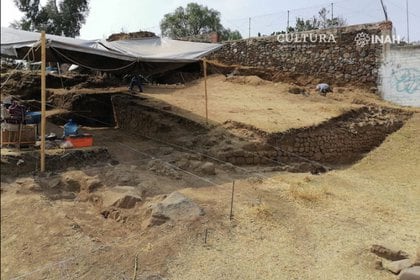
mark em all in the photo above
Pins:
pixel 284 226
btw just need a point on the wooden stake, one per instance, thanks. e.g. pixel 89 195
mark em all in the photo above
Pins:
pixel 205 88
pixel 231 201
pixel 43 100
pixel 136 262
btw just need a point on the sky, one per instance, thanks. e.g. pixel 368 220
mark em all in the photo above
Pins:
pixel 249 17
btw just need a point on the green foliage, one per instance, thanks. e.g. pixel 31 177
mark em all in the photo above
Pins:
pixel 229 35
pixel 194 20
pixel 322 21
pixel 65 18
pixel 304 25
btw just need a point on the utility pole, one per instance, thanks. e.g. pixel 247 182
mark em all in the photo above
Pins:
pixel 249 28
pixel 288 14
pixel 408 22
pixel 332 11
pixel 384 8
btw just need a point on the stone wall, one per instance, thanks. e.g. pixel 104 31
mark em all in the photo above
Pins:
pixel 329 55
pixel 340 140
pixel 134 115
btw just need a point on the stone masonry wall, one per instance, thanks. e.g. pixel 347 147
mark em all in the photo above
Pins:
pixel 340 62
pixel 340 140
pixel 132 115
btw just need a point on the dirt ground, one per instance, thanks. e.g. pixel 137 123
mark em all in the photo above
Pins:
pixel 263 104
pixel 284 226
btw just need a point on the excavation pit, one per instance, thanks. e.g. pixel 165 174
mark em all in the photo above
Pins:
pixel 91 110
pixel 339 141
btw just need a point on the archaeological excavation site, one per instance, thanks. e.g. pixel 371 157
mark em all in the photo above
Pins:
pixel 149 158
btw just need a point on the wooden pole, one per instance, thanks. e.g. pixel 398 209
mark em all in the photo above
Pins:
pixel 43 100
pixel 231 201
pixel 205 88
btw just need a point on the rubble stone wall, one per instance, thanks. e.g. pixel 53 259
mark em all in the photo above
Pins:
pixel 340 140
pixel 336 56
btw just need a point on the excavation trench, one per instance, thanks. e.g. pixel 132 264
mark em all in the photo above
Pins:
pixel 338 141
pixel 91 110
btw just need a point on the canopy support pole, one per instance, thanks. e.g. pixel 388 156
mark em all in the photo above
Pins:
pixel 43 100
pixel 205 88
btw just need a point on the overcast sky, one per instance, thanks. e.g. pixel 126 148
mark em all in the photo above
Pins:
pixel 108 17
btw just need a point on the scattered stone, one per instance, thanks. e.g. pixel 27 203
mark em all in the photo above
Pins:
pixel 114 162
pixel 114 214
pixel 127 202
pixel 91 184
pixel 175 207
pixel 195 164
pixel 162 168
pixel 396 266
pixel 208 168
pixel 412 273
pixel 166 150
pixel 298 90
pixel 121 197
pixel 389 254
pixel 373 90
pixel 378 265
pixel 229 166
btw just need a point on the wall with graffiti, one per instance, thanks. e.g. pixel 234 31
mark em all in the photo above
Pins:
pixel 400 75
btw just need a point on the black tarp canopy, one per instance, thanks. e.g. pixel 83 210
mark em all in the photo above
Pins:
pixel 147 55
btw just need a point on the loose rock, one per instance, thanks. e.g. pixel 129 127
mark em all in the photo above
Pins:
pixel 208 168
pixel 175 207
pixel 120 197
pixel 389 254
pixel 412 273
pixel 396 266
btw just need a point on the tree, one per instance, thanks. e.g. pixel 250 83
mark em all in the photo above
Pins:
pixel 321 21
pixel 194 20
pixel 325 22
pixel 66 17
pixel 304 25
pixel 229 35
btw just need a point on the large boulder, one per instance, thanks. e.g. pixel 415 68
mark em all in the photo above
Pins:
pixel 175 207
